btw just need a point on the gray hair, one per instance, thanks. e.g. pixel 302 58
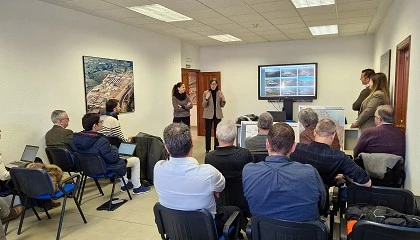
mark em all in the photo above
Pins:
pixel 325 127
pixel 265 121
pixel 177 138
pixel 308 117
pixel 57 115
pixel 226 131
pixel 386 112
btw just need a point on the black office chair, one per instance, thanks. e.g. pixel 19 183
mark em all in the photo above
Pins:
pixel 93 166
pixel 33 183
pixel 61 157
pixel 399 199
pixel 259 156
pixel 192 225
pixel 233 195
pixel 365 230
pixel 264 228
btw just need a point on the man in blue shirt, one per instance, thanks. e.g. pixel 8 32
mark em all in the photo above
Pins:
pixel 279 188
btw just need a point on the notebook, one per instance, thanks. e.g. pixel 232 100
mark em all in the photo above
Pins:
pixel 28 156
pixel 278 116
pixel 126 150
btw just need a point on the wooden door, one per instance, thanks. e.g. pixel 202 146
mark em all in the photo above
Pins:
pixel 202 85
pixel 189 79
pixel 401 83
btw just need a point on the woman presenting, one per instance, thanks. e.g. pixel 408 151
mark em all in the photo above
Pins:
pixel 379 95
pixel 213 101
pixel 181 103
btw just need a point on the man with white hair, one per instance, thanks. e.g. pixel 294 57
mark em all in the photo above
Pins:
pixel 229 159
pixel 58 135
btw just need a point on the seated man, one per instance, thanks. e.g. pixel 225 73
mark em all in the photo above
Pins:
pixel 329 162
pixel 111 125
pixel 257 143
pixel 92 142
pixel 384 138
pixel 309 118
pixel 230 160
pixel 58 135
pixel 182 183
pixel 282 189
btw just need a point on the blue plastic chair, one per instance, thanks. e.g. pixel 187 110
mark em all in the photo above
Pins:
pixel 34 183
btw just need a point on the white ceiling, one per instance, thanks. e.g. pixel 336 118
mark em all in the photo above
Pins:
pixel 253 21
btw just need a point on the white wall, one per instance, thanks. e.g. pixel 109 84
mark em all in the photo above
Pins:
pixel 400 22
pixel 340 61
pixel 41 49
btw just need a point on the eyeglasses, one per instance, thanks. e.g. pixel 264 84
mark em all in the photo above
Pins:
pixel 214 84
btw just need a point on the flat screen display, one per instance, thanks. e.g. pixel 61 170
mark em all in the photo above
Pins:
pixel 287 81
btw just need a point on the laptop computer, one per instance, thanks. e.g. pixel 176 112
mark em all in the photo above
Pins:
pixel 126 150
pixel 278 116
pixel 28 156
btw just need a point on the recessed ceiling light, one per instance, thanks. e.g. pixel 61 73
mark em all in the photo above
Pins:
pixel 312 3
pixel 160 12
pixel 225 38
pixel 324 30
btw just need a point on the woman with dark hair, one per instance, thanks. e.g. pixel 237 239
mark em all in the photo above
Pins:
pixel 213 101
pixel 181 103
pixel 379 95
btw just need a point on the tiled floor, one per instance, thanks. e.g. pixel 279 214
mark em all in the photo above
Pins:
pixel 133 220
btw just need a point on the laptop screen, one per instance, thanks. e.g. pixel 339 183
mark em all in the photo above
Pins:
pixel 29 153
pixel 127 148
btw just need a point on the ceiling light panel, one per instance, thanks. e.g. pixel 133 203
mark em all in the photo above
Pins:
pixel 160 12
pixel 324 30
pixel 312 3
pixel 225 38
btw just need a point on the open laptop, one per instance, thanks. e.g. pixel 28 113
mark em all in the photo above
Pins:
pixel 28 156
pixel 278 116
pixel 126 150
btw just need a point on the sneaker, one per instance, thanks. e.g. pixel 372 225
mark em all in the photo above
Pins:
pixel 129 186
pixel 15 212
pixel 141 190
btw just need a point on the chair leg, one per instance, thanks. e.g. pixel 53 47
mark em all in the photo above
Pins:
pixel 125 184
pixel 11 206
pixel 82 189
pixel 36 214
pixel 98 186
pixel 22 216
pixel 112 196
pixel 80 210
pixel 60 223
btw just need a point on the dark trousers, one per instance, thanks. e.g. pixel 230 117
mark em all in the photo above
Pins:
pixel 184 120
pixel 209 123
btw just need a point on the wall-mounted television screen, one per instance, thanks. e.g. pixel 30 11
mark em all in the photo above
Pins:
pixel 287 81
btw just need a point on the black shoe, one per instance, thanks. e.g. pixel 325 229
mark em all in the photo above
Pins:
pixel 207 151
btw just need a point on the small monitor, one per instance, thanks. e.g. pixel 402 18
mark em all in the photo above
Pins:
pixel 278 116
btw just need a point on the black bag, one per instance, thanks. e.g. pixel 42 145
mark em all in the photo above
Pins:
pixel 247 117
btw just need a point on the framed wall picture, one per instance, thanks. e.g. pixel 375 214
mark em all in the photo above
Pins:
pixel 108 79
pixel 386 64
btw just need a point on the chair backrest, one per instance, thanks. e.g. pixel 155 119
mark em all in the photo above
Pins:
pixel 115 141
pixel 90 164
pixel 264 228
pixel 233 195
pixel 31 181
pixel 398 199
pixel 259 156
pixel 395 177
pixel 184 225
pixel 61 157
pixel 365 230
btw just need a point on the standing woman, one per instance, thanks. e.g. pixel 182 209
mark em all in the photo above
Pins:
pixel 379 95
pixel 182 104
pixel 213 101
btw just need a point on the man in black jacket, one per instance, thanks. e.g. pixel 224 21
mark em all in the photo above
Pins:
pixel 364 78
